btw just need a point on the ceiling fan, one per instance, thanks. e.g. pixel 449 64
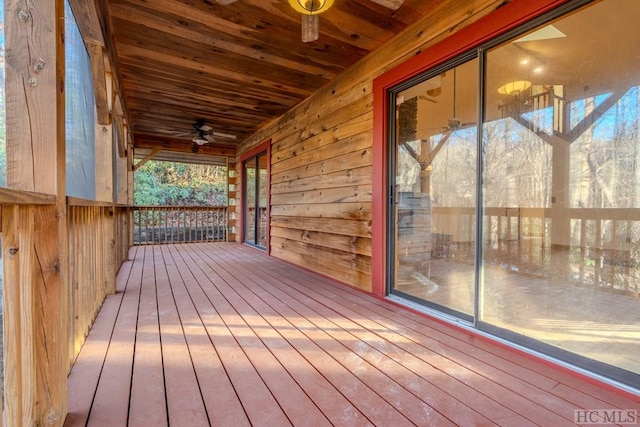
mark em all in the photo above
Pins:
pixel 204 134
pixel 310 9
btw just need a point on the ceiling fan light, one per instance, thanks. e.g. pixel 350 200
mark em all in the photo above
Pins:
pixel 199 140
pixel 311 7
pixel 514 87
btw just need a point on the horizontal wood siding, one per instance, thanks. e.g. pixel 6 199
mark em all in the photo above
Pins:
pixel 321 158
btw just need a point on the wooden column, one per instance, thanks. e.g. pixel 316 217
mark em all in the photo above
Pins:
pixel 35 244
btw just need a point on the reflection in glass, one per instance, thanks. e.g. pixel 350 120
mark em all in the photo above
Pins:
pixel 561 185
pixel 435 194
pixel 250 201
pixel 255 200
pixel 262 201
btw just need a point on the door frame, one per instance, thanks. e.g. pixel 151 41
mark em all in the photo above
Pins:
pixel 264 147
pixel 501 21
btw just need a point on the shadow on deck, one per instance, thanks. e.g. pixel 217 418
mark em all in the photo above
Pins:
pixel 221 334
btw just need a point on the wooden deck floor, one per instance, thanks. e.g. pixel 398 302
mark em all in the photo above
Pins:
pixel 220 334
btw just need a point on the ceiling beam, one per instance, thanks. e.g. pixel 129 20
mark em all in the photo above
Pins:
pixel 180 146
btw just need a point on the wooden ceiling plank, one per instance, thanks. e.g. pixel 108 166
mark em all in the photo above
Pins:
pixel 156 46
pixel 237 66
pixel 391 4
pixel 148 19
pixel 253 24
pixel 141 74
pixel 186 98
pixel 191 65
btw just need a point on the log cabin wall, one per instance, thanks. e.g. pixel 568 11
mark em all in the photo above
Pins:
pixel 321 156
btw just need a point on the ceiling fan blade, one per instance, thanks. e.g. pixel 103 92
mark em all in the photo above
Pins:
pixel 181 134
pixel 223 135
pixel 205 128
pixel 310 28
pixel 209 137
pixel 391 4
pixel 225 2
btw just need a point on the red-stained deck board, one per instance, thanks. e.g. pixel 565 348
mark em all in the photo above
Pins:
pixel 219 397
pixel 258 402
pixel 294 402
pixel 558 383
pixel 83 380
pixel 291 319
pixel 481 389
pixel 185 405
pixel 111 401
pixel 148 403
pixel 224 335
pixel 335 407
pixel 278 333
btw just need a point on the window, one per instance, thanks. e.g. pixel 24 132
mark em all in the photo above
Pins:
pixel 80 113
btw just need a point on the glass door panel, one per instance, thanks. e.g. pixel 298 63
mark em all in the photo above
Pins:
pixel 250 192
pixel 261 220
pixel 435 191
pixel 561 187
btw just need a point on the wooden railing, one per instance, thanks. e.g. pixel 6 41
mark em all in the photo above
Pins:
pixel 603 248
pixel 154 225
pixel 98 245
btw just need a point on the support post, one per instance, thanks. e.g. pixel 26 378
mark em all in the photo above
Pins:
pixel 35 250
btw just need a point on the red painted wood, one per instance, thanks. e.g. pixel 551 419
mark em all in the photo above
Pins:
pixel 184 400
pixel 236 313
pixel 111 401
pixel 354 355
pixel 273 344
pixel 496 396
pixel 508 17
pixel 85 374
pixel 148 402
pixel 300 355
pixel 417 362
pixel 223 406
pixel 504 357
pixel 259 404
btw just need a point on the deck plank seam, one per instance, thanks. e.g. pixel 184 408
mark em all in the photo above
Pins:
pixel 170 250
pixel 235 271
pixel 311 364
pixel 296 297
pixel 427 349
pixel 540 369
pixel 563 414
pixel 198 284
pixel 184 332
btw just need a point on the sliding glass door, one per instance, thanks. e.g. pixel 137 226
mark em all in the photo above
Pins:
pixel 255 212
pixel 435 189
pixel 529 226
